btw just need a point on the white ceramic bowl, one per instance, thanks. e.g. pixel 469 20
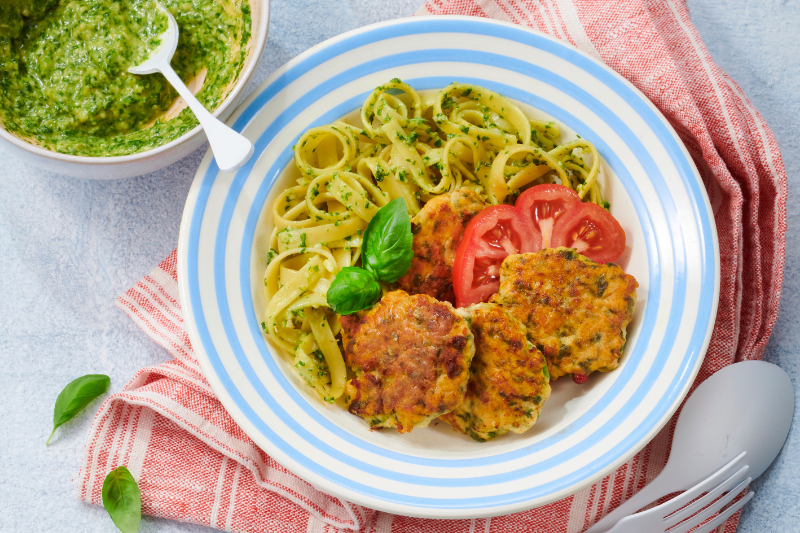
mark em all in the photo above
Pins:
pixel 117 167
pixel 584 431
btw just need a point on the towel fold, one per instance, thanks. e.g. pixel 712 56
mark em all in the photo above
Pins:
pixel 194 464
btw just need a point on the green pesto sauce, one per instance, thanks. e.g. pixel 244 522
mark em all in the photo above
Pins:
pixel 64 78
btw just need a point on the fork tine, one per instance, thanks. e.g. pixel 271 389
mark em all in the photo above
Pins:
pixel 709 512
pixel 709 483
pixel 712 495
pixel 727 514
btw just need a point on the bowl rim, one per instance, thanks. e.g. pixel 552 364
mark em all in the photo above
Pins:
pixel 242 82
pixel 187 299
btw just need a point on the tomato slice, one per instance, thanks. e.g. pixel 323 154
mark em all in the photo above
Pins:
pixel 490 237
pixel 543 205
pixel 592 231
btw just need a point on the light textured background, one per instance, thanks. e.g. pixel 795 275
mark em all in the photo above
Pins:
pixel 69 247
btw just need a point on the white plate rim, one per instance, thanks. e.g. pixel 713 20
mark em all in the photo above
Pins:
pixel 207 169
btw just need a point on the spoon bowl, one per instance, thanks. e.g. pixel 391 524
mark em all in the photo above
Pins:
pixel 745 407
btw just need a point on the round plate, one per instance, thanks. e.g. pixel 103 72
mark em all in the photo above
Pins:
pixel 584 431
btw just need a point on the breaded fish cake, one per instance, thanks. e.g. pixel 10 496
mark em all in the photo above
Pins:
pixel 576 310
pixel 411 357
pixel 438 229
pixel 508 380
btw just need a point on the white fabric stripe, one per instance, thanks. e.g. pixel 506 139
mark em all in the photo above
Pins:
pixel 487 525
pixel 188 375
pixel 147 322
pixel 710 73
pixel 576 30
pixel 315 525
pixel 144 430
pixel 101 436
pixel 241 450
pixel 143 289
pixel 156 331
pixel 112 453
pixel 577 510
pixel 770 162
pixel 472 525
pixel 759 126
pixel 609 493
pixel 555 16
pixel 189 417
pixel 232 500
pixel 217 490
pixel 595 498
pixel 513 7
pixel 384 522
pixel 164 279
pixel 627 484
pixel 492 8
pixel 130 423
pixel 167 308
pixel 523 8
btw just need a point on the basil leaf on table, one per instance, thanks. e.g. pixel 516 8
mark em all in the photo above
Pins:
pixel 123 499
pixel 353 289
pixel 386 250
pixel 77 395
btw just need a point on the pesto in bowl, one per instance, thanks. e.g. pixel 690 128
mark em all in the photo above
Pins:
pixel 64 81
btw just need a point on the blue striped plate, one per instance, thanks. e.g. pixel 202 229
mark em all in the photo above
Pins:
pixel 585 431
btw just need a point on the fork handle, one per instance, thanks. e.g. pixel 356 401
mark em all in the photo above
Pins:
pixel 231 149
pixel 648 494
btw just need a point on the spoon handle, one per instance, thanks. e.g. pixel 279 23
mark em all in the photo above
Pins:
pixel 231 149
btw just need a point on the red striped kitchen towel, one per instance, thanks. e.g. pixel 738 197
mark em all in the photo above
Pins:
pixel 195 464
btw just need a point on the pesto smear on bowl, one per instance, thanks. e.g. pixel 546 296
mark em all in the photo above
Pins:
pixel 64 81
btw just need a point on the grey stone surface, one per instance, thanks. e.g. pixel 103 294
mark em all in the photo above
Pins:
pixel 69 247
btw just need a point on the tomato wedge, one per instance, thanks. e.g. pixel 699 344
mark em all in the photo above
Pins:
pixel 491 236
pixel 592 231
pixel 543 205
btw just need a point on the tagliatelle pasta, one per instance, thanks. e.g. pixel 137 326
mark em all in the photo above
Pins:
pixel 413 146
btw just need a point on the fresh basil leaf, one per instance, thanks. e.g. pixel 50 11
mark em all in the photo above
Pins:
pixel 77 395
pixel 353 289
pixel 123 499
pixel 386 250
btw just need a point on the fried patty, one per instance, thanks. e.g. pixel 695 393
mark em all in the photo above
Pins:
pixel 576 310
pixel 508 380
pixel 410 356
pixel 438 229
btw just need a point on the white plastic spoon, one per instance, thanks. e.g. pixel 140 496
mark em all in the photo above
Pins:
pixel 745 407
pixel 231 149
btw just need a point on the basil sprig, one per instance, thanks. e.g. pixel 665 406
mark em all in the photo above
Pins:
pixel 386 250
pixel 353 289
pixel 386 254
pixel 77 395
pixel 123 499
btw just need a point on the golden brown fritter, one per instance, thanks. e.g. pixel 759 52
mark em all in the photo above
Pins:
pixel 438 229
pixel 508 380
pixel 576 310
pixel 411 357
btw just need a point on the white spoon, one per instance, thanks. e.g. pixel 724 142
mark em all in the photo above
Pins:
pixel 231 149
pixel 745 407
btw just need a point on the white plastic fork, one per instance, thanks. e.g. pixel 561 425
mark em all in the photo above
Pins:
pixel 675 516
